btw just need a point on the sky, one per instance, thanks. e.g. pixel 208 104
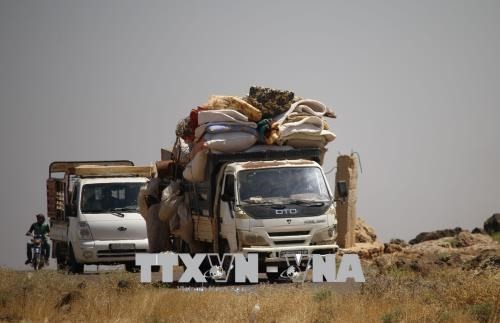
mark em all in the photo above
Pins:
pixel 415 86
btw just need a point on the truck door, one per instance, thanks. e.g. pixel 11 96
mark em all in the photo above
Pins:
pixel 228 224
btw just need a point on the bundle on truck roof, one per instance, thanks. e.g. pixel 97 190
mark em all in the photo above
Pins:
pixel 267 119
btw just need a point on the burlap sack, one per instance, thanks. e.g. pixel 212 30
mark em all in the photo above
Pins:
pixel 170 201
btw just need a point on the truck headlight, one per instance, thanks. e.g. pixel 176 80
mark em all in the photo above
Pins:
pixel 252 239
pixel 325 235
pixel 84 232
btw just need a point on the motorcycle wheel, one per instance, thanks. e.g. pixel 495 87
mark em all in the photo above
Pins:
pixel 36 263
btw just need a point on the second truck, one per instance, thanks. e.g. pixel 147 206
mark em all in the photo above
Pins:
pixel 93 211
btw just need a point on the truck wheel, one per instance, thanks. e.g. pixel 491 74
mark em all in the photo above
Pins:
pixel 276 277
pixel 74 266
pixel 132 268
pixel 273 277
pixel 61 256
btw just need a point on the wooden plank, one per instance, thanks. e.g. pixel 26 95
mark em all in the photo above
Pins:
pixel 67 166
pixel 202 228
pixel 89 170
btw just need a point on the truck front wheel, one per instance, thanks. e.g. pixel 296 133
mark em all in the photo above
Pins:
pixel 74 266
pixel 132 268
pixel 61 251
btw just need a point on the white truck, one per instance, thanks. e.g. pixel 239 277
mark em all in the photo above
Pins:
pixel 93 211
pixel 274 203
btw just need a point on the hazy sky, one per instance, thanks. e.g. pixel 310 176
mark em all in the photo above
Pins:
pixel 415 85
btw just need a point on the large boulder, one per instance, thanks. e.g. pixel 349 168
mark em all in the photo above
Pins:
pixel 434 235
pixel 364 233
pixel 492 225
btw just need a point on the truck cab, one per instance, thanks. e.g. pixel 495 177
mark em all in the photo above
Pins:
pixel 95 219
pixel 276 204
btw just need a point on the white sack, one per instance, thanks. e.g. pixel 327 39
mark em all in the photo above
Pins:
pixel 230 142
pixel 170 201
pixel 220 127
pixel 195 169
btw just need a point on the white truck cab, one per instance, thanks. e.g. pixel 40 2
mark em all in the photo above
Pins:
pixel 94 213
pixel 277 204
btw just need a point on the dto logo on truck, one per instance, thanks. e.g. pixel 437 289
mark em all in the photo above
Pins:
pixel 245 268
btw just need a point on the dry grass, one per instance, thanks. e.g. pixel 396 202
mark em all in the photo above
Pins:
pixel 400 296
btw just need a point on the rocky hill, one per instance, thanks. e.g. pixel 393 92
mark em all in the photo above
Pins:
pixel 478 251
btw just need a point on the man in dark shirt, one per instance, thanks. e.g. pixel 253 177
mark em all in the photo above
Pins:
pixel 42 229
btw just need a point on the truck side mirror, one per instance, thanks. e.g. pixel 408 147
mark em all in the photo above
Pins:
pixel 342 190
pixel 227 198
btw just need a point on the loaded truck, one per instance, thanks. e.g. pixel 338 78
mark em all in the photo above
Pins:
pixel 93 211
pixel 276 203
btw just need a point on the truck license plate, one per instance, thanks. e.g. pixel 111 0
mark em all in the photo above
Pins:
pixel 121 246
pixel 292 253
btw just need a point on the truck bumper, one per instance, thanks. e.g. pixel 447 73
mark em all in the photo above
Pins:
pixel 109 252
pixel 276 254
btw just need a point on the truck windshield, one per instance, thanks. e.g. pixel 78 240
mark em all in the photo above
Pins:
pixel 282 186
pixel 109 197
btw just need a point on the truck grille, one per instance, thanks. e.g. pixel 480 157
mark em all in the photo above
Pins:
pixel 289 242
pixel 289 233
pixel 118 253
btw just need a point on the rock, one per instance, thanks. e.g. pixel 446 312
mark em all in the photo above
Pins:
pixel 400 263
pixel 364 233
pixel 392 247
pixel 478 231
pixel 464 239
pixel 486 260
pixel 123 284
pixel 365 250
pixel 434 235
pixel 67 299
pixel 492 225
pixel 400 242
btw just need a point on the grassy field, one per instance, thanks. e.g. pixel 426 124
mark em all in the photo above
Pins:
pixel 450 295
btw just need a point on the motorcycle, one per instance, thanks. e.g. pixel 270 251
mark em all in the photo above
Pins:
pixel 37 252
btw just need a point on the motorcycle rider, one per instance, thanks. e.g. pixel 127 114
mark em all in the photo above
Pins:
pixel 42 229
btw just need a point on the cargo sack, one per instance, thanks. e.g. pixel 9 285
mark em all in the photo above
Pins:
pixel 222 127
pixel 221 116
pixel 181 151
pixel 142 202
pixel 217 102
pixel 184 130
pixel 195 169
pixel 270 102
pixel 158 232
pixel 185 224
pixel 170 201
pixel 168 169
pixel 301 140
pixel 295 117
pixel 193 117
pixel 310 125
pixel 152 192
pixel 230 142
pixel 307 106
